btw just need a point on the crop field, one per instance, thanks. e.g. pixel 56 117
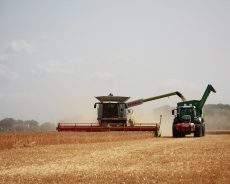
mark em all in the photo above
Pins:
pixel 113 157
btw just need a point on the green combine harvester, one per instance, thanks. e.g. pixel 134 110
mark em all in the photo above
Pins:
pixel 189 116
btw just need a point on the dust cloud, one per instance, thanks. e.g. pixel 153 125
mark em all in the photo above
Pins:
pixel 167 119
pixel 217 117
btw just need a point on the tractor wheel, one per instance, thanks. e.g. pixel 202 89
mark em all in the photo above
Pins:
pixel 198 130
pixel 203 130
pixel 174 131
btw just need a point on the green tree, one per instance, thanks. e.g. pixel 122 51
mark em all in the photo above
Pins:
pixel 7 124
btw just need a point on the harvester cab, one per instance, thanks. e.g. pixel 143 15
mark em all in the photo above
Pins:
pixel 112 110
pixel 189 116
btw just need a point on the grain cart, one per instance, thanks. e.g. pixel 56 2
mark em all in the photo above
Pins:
pixel 189 116
pixel 114 115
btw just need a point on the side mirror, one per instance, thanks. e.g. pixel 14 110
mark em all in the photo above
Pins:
pixel 95 105
pixel 173 112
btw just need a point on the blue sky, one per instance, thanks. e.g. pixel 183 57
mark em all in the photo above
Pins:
pixel 55 56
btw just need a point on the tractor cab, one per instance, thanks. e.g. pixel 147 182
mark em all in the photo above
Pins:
pixel 185 114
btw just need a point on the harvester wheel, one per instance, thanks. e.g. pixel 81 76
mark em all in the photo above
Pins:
pixel 198 130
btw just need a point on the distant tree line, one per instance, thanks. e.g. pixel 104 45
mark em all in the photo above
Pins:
pixel 12 125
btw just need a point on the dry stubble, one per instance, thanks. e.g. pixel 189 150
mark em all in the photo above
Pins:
pixel 149 160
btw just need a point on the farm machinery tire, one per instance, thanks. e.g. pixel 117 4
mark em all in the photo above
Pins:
pixel 175 132
pixel 198 130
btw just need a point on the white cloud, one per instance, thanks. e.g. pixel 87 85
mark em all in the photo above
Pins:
pixel 5 72
pixel 123 59
pixel 52 68
pixel 20 46
pixel 11 96
pixel 107 76
pixel 55 67
pixel 3 56
pixel 44 37
pixel 64 67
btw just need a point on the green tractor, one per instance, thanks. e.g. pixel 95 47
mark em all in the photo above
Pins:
pixel 189 116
